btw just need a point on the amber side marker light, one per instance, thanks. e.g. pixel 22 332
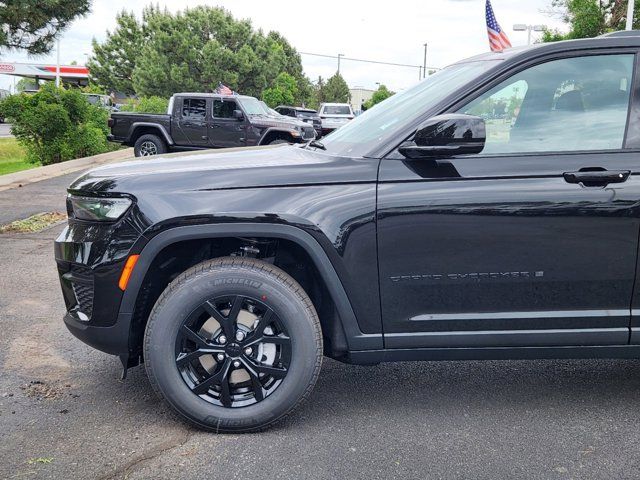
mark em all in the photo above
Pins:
pixel 126 272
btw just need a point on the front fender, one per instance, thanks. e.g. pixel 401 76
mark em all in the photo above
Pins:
pixel 271 130
pixel 356 339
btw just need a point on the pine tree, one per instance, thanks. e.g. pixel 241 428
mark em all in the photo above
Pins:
pixel 33 25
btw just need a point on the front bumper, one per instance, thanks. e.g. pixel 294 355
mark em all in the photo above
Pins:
pixel 90 258
pixel 113 339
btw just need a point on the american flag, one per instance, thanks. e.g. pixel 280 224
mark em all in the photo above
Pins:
pixel 498 40
pixel 223 90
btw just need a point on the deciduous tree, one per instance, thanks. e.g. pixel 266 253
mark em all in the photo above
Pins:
pixel 590 18
pixel 283 91
pixel 382 93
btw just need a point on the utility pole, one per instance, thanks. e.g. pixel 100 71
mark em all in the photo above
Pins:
pixel 424 64
pixel 339 55
pixel 630 5
pixel 58 62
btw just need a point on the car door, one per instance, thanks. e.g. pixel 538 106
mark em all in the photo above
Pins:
pixel 533 242
pixel 226 130
pixel 192 123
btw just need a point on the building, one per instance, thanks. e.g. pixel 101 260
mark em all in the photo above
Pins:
pixel 358 96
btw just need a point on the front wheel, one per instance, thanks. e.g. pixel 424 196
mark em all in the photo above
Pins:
pixel 233 345
pixel 148 145
pixel 278 141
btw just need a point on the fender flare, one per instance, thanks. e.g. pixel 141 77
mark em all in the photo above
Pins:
pixel 356 339
pixel 160 128
pixel 275 129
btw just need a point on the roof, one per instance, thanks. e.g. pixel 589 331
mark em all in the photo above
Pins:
pixel 209 95
pixel 303 109
pixel 630 38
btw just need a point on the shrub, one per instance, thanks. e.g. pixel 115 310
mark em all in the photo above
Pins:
pixel 147 105
pixel 56 124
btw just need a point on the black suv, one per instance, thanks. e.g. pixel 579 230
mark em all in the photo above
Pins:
pixel 490 212
pixel 307 115
pixel 195 121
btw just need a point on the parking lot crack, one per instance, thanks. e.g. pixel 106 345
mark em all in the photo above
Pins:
pixel 135 463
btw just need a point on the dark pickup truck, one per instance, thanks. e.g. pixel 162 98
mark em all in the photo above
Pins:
pixel 204 120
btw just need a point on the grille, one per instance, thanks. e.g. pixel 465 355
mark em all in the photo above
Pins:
pixel 81 279
pixel 308 132
pixel 84 297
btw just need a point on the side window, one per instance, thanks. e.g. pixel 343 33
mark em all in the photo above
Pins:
pixel 224 108
pixel 563 105
pixel 194 108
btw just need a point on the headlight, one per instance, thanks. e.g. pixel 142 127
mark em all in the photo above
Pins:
pixel 97 209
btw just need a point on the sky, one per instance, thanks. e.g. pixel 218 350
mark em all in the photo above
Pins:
pixel 392 32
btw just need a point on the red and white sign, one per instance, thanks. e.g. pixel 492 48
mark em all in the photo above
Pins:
pixel 45 72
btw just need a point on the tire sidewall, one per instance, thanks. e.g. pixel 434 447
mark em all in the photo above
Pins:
pixel 205 285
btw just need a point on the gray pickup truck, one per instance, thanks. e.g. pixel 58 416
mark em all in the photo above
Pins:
pixel 205 120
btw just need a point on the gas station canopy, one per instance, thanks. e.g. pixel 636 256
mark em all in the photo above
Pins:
pixel 68 73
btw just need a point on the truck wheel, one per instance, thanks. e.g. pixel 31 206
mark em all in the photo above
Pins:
pixel 148 145
pixel 233 345
pixel 277 141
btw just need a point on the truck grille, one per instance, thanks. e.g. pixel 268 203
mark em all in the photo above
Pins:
pixel 308 132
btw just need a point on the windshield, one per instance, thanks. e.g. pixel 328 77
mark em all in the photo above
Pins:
pixel 93 99
pixel 253 106
pixel 306 113
pixel 336 110
pixel 382 122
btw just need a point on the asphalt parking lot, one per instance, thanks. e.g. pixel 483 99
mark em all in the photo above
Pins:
pixel 64 413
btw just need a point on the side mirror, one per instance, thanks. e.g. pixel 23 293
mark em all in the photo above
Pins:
pixel 445 136
pixel 238 115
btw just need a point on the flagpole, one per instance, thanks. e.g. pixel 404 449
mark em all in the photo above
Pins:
pixel 630 5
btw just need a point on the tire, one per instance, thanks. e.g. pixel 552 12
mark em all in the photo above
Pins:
pixel 148 145
pixel 177 369
pixel 278 141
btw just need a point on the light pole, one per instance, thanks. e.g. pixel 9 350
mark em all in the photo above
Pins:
pixel 339 55
pixel 630 5
pixel 521 27
pixel 424 63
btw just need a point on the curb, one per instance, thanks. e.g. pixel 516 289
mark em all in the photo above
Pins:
pixel 18 179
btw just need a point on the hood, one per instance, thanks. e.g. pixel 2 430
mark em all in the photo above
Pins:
pixel 237 168
pixel 277 122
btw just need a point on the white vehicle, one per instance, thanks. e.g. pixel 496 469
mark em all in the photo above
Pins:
pixel 334 115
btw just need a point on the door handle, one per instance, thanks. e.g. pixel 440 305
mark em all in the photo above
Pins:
pixel 215 125
pixel 596 178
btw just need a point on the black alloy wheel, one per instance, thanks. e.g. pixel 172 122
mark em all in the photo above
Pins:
pixel 233 345
pixel 233 351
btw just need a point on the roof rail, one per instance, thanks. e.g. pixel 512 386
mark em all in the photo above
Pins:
pixel 621 33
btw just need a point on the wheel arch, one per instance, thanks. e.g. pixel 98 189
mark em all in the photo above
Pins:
pixel 341 328
pixel 137 129
pixel 275 133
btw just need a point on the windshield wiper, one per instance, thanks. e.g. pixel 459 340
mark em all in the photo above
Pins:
pixel 317 144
